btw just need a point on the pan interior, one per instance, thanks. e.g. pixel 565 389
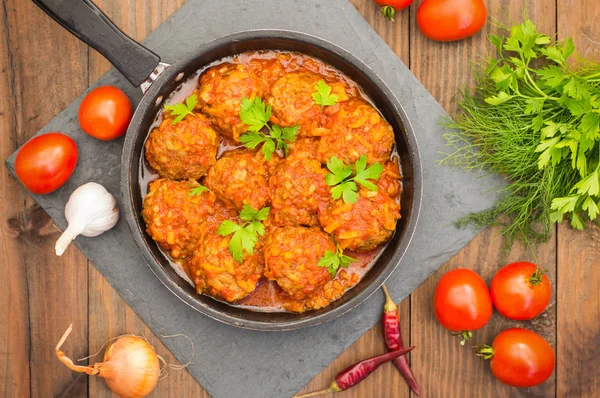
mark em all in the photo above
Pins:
pixel 373 87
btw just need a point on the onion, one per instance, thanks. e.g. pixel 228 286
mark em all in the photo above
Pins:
pixel 131 367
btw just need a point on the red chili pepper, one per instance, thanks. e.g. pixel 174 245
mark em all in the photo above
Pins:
pixel 356 373
pixel 393 339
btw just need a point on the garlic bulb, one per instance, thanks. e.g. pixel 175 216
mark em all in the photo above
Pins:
pixel 90 211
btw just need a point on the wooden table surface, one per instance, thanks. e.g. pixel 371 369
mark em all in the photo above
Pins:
pixel 43 69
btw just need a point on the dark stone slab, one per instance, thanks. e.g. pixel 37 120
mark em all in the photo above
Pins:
pixel 231 362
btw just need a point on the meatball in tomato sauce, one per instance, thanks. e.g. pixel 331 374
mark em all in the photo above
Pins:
pixel 291 99
pixel 291 259
pixel 214 270
pixel 299 190
pixel 357 129
pixel 220 95
pixel 240 177
pixel 185 150
pixel 363 225
pixel 174 215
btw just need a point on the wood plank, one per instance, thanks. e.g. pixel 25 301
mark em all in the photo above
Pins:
pixel 109 314
pixel 396 36
pixel 578 324
pixel 49 70
pixel 14 308
pixel 445 368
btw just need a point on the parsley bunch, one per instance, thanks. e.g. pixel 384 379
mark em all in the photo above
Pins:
pixel 245 236
pixel 256 115
pixel 333 261
pixel 343 185
pixel 535 119
pixel 183 109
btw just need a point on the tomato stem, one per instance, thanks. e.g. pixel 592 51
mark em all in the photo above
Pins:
pixel 465 334
pixel 389 12
pixel 537 276
pixel 484 351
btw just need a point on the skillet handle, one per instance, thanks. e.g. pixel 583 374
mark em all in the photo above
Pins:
pixel 83 19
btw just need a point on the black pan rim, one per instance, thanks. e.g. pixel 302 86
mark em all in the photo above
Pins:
pixel 136 229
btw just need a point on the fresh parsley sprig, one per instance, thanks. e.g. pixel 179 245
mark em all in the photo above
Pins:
pixel 533 118
pixel 322 95
pixel 198 190
pixel 256 114
pixel 343 185
pixel 333 261
pixel 182 110
pixel 245 236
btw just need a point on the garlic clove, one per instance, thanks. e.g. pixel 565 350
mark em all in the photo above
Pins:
pixel 90 211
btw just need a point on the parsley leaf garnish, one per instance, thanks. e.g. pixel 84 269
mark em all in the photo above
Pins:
pixel 196 191
pixel 345 186
pixel 322 95
pixel 181 110
pixel 256 115
pixel 245 236
pixel 333 261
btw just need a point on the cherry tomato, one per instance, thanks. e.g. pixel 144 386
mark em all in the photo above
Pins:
pixel 389 7
pixel 46 162
pixel 519 357
pixel 105 113
pixel 462 302
pixel 520 291
pixel 448 20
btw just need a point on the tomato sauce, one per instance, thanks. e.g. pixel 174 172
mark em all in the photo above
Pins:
pixel 268 296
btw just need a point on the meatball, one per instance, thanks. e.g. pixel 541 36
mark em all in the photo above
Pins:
pixel 292 102
pixel 363 225
pixel 238 178
pixel 267 70
pixel 299 189
pixel 304 147
pixel 220 95
pixel 184 150
pixel 174 218
pixel 291 259
pixel 357 129
pixel 389 181
pixel 213 269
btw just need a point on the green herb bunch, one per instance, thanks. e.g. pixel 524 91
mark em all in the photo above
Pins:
pixel 534 119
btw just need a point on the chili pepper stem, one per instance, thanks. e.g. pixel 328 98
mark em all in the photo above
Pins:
pixel 484 351
pixel 537 276
pixel 332 388
pixel 389 303
pixel 465 334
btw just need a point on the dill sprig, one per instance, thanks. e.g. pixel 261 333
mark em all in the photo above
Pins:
pixel 535 120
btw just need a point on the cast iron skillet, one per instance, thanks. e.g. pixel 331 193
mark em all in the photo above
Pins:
pixel 143 68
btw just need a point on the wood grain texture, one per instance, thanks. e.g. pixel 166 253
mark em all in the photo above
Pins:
pixel 40 295
pixel 14 305
pixel 54 290
pixel 578 323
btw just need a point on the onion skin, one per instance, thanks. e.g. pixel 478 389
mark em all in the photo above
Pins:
pixel 131 367
pixel 122 371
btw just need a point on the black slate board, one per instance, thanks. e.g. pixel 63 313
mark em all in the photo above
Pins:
pixel 231 362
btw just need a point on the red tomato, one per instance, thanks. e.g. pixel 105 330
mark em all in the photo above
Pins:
pixel 396 4
pixel 389 7
pixel 448 20
pixel 520 291
pixel 105 113
pixel 462 302
pixel 46 162
pixel 519 357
